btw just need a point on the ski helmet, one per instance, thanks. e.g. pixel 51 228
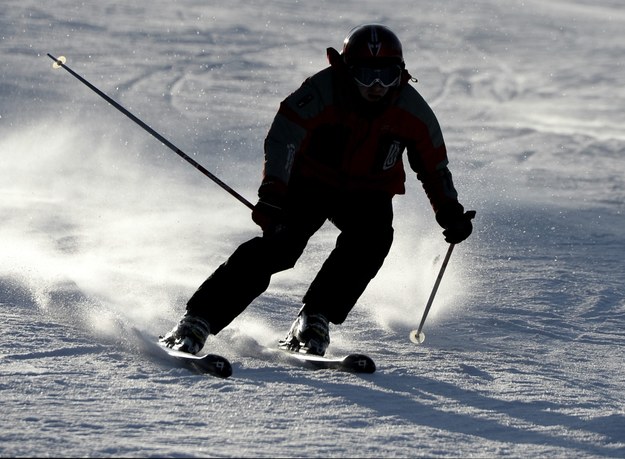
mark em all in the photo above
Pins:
pixel 372 45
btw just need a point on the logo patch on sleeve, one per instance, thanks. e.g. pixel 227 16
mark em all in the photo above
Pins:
pixel 393 155
pixel 304 100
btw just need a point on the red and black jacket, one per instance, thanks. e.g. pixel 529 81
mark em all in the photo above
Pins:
pixel 326 132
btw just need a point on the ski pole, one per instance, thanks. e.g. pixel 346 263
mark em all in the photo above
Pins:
pixel 417 336
pixel 60 62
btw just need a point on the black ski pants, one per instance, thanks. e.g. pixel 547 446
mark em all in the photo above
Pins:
pixel 364 220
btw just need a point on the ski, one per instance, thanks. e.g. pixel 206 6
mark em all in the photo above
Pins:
pixel 352 363
pixel 212 364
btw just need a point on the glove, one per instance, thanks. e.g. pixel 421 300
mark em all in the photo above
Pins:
pixel 455 222
pixel 267 212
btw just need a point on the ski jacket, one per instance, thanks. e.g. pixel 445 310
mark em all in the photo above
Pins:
pixel 326 132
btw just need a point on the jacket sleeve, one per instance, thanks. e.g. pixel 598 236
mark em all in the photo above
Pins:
pixel 289 130
pixel 427 156
pixel 282 141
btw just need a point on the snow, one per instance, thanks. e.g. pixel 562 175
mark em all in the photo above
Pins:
pixel 105 230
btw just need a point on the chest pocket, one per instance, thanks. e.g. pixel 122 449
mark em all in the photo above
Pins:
pixel 388 154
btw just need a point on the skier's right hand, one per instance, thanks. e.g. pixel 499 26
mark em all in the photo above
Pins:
pixel 268 213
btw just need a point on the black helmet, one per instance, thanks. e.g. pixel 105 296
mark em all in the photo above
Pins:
pixel 372 45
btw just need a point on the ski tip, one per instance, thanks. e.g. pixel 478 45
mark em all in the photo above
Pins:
pixel 359 363
pixel 216 364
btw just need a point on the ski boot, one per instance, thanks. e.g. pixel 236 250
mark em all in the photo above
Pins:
pixel 310 334
pixel 188 336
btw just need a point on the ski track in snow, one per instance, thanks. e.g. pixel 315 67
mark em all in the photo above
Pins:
pixel 106 231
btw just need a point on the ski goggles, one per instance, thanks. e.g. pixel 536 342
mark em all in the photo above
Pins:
pixel 384 76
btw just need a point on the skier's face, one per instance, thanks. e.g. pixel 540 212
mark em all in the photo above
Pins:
pixel 372 93
pixel 374 82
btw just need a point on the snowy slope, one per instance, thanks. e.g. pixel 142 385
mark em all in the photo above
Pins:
pixel 104 230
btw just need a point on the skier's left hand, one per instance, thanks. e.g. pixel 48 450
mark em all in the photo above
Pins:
pixel 460 229
pixel 456 223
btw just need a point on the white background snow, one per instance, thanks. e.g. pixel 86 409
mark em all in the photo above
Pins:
pixel 104 230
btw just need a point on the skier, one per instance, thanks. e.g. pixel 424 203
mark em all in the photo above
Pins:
pixel 333 152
